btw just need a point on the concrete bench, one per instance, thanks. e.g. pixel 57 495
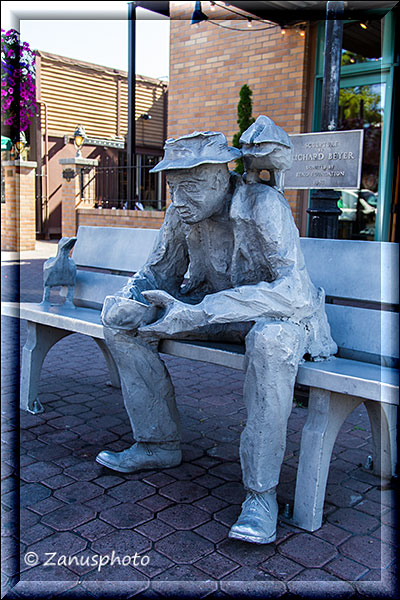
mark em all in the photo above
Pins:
pixel 362 300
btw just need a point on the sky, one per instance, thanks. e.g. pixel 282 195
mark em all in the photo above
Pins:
pixel 95 32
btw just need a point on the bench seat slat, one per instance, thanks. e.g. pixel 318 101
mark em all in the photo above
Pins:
pixel 352 377
pixel 336 374
pixel 206 352
pixel 82 320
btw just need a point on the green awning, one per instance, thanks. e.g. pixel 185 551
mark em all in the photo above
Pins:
pixel 6 143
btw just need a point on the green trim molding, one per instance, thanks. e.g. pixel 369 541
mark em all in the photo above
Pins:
pixel 381 71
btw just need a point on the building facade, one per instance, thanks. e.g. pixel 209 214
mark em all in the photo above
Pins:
pixel 71 92
pixel 282 62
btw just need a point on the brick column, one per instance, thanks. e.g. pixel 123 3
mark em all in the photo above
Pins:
pixel 19 226
pixel 71 191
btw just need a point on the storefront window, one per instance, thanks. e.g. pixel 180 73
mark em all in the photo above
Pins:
pixel 362 42
pixel 361 107
pixel 368 71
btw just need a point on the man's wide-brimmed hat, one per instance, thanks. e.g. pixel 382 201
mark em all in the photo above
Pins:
pixel 194 149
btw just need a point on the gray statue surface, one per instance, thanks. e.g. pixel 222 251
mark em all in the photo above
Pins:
pixel 60 270
pixel 246 282
pixel 266 146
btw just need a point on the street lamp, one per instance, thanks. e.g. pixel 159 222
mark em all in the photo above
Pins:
pixel 198 16
pixel 20 143
pixel 79 138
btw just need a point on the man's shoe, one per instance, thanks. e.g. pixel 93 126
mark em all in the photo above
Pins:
pixel 140 456
pixel 257 521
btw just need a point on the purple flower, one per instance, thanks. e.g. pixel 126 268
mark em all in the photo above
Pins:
pixel 18 85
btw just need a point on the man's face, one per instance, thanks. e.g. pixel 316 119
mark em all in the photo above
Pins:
pixel 200 192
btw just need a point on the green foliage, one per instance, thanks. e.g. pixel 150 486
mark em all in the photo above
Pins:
pixel 360 103
pixel 360 108
pixel 245 119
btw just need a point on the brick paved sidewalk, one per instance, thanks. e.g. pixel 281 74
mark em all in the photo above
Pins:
pixel 178 518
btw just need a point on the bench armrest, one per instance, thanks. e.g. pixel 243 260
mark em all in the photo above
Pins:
pixel 60 270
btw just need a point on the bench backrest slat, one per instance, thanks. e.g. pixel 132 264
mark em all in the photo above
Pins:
pixel 354 269
pixel 334 265
pixel 113 248
pixel 92 287
pixel 365 334
pixel 357 270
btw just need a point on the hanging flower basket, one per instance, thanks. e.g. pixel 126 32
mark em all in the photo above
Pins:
pixel 18 90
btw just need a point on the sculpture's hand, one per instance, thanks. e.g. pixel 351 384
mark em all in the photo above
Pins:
pixel 178 317
pixel 125 313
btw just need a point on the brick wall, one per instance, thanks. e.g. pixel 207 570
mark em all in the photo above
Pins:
pixel 107 217
pixel 71 193
pixel 75 214
pixel 19 220
pixel 209 65
pixel 3 222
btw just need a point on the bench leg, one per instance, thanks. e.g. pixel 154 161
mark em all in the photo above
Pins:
pixel 39 341
pixel 383 427
pixel 111 364
pixel 326 414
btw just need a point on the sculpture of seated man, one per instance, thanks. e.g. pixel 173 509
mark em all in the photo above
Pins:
pixel 246 282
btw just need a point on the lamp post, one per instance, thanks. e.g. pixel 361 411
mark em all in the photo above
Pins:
pixel 131 138
pixel 324 211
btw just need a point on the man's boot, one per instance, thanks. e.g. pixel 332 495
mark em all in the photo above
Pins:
pixel 142 455
pixel 257 521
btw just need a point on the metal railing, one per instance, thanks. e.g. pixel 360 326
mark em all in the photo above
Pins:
pixel 111 186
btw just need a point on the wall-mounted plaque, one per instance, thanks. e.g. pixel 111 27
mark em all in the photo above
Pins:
pixel 326 160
